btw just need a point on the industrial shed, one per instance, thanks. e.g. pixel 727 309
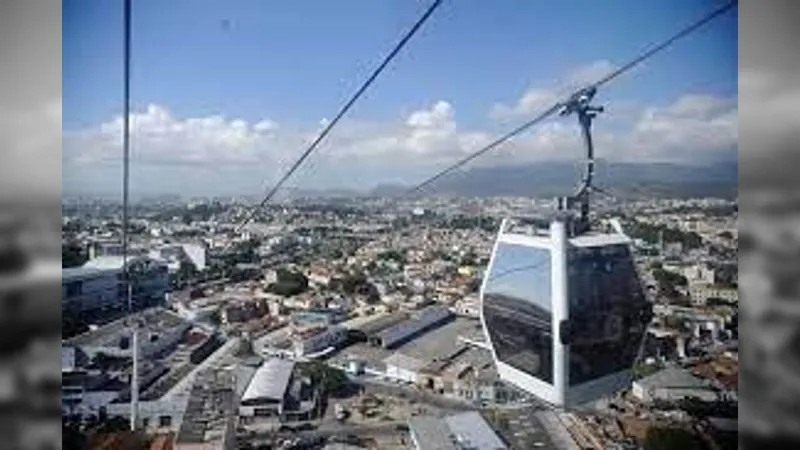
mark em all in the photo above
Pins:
pixel 380 323
pixel 404 368
pixel 672 384
pixel 403 332
pixel 266 391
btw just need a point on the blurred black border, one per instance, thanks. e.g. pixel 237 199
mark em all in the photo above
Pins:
pixel 768 37
pixel 30 222
pixel 769 153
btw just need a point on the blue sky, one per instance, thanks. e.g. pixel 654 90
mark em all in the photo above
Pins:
pixel 294 63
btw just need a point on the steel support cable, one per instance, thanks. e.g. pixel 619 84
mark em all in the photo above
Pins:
pixel 126 153
pixel 558 106
pixel 126 148
pixel 388 59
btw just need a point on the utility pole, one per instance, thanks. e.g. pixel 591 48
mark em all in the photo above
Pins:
pixel 135 357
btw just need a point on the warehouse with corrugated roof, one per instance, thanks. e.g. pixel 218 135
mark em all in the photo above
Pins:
pixel 265 394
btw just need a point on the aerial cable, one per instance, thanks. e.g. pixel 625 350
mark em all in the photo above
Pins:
pixel 569 101
pixel 126 149
pixel 126 155
pixel 399 46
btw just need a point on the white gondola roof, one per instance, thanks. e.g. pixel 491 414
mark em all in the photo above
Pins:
pixel 270 380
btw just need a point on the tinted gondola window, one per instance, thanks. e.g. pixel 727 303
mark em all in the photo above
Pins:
pixel 517 309
pixel 607 310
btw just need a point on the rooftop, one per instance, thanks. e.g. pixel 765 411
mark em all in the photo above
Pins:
pixel 155 320
pixel 442 341
pixel 210 407
pixel 431 433
pixel 109 262
pixel 405 362
pixel 672 377
pixel 525 428
pixel 270 381
pixel 83 272
pixel 472 431
pixel 428 317
pixel 436 351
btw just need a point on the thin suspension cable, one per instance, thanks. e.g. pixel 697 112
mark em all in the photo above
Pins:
pixel 553 109
pixel 399 46
pixel 126 106
pixel 126 151
pixel 487 148
pixel 658 48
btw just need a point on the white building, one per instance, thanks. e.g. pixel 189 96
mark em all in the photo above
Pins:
pixel 331 336
pixel 700 293
pixel 175 254
pixel 469 306
pixel 406 369
pixel 97 286
pixel 266 392
pixel 700 274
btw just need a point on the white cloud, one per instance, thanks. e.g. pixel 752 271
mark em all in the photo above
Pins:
pixel 693 128
pixel 684 130
pixel 158 137
pixel 265 126
pixel 689 128
pixel 590 73
pixel 536 99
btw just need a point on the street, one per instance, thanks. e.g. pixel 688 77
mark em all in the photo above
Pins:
pixel 377 386
pixel 326 431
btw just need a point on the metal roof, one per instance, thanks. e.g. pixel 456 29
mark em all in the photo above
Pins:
pixel 430 316
pixel 244 375
pixel 672 377
pixel 106 262
pixel 83 272
pixel 404 362
pixel 472 431
pixel 376 324
pixel 430 433
pixel 270 380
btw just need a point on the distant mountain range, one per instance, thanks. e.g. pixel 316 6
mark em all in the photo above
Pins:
pixel 550 179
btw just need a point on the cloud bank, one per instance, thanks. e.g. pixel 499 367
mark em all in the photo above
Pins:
pixel 424 140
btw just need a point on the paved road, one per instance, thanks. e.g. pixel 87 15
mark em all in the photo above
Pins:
pixel 329 430
pixel 375 385
pixel 260 345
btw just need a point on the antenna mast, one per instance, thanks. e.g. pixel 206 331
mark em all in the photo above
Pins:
pixel 580 104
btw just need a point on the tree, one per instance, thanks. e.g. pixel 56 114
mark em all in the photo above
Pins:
pixel 393 255
pixel 716 301
pixel 73 255
pixel 72 437
pixel 668 282
pixel 216 317
pixel 674 322
pixel 698 408
pixel 469 259
pixel 289 283
pixel 331 380
pixel 645 370
pixel 671 439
